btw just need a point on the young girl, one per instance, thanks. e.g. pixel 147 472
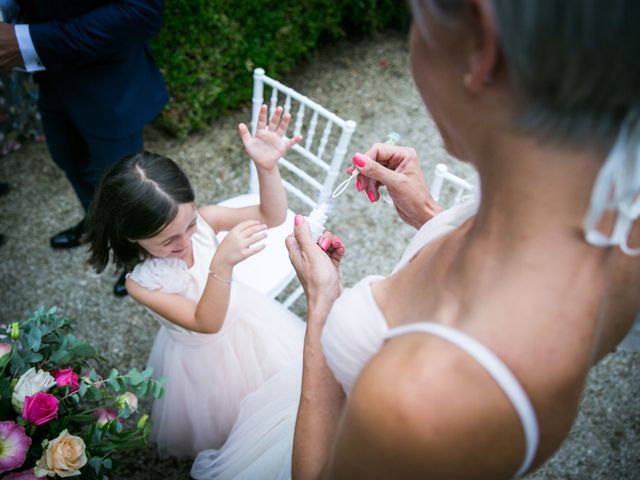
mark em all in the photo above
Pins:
pixel 219 340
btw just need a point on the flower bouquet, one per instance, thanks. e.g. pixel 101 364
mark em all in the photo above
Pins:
pixel 58 416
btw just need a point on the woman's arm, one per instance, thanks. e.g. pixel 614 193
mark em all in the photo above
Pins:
pixel 321 398
pixel 321 402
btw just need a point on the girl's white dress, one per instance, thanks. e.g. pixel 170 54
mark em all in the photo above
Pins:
pixel 245 378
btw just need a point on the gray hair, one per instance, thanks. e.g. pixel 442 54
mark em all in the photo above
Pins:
pixel 574 63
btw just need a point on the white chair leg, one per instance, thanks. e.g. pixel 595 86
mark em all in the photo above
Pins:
pixel 293 297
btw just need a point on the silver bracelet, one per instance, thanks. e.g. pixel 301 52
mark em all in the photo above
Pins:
pixel 220 279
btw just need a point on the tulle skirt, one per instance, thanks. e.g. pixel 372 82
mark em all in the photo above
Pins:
pixel 261 442
pixel 209 377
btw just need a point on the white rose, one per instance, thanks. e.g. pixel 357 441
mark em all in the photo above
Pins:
pixel 30 383
pixel 128 399
pixel 64 456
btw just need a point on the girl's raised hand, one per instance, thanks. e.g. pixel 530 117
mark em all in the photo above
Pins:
pixel 269 143
pixel 238 245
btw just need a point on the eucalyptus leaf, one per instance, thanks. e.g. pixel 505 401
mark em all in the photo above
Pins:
pixel 114 384
pixel 96 464
pixel 60 356
pixel 94 393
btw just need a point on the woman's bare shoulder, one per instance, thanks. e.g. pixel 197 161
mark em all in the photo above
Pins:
pixel 424 409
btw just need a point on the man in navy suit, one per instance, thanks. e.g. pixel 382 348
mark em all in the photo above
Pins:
pixel 99 84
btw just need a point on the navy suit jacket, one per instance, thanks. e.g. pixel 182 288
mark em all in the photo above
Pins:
pixel 99 68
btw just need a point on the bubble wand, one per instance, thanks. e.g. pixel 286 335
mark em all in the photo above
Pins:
pixel 392 139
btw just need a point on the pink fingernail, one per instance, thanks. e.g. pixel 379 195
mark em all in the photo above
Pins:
pixel 324 244
pixel 372 197
pixel 358 160
pixel 336 241
pixel 358 185
pixel 298 219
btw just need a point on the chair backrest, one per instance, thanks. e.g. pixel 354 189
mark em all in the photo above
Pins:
pixel 312 166
pixel 444 180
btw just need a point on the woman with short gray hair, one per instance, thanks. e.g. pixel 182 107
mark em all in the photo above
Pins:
pixel 469 360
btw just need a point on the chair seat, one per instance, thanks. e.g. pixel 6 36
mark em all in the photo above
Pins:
pixel 270 270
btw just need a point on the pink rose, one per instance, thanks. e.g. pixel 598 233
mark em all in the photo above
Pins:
pixel 66 377
pixel 40 408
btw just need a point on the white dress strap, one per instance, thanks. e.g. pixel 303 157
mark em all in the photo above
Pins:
pixel 497 369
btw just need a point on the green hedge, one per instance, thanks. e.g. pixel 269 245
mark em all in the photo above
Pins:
pixel 208 48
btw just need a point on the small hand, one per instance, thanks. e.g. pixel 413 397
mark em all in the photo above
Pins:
pixel 238 245
pixel 399 170
pixel 316 264
pixel 269 143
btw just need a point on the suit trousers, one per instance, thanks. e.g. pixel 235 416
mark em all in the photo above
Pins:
pixel 83 157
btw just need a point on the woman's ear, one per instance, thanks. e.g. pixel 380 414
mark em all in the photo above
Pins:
pixel 485 54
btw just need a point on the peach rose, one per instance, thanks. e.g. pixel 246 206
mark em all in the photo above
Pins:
pixel 64 456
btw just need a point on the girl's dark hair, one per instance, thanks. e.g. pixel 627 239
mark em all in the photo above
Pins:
pixel 135 199
pixel 574 63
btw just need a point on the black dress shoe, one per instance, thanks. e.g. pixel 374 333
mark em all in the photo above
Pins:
pixel 4 188
pixel 68 238
pixel 119 290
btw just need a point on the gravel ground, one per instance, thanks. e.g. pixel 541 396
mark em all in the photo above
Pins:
pixel 369 82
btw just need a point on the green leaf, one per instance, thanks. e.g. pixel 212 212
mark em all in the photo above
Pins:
pixel 114 384
pixel 60 356
pixel 83 389
pixel 94 393
pixel 141 390
pixel 83 419
pixel 158 389
pixel 96 464
pixel 106 463
pixel 135 377
pixel 124 412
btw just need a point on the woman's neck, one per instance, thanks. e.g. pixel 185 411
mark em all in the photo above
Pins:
pixel 529 188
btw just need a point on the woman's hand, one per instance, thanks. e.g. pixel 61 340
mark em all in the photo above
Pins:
pixel 238 245
pixel 269 143
pixel 399 170
pixel 317 264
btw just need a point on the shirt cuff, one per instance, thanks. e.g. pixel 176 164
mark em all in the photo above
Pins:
pixel 30 57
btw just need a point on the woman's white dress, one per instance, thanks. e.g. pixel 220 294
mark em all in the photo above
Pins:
pixel 245 378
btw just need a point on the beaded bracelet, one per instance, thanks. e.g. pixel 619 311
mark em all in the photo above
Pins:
pixel 220 279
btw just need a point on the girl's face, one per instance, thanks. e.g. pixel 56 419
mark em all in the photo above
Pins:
pixel 174 240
